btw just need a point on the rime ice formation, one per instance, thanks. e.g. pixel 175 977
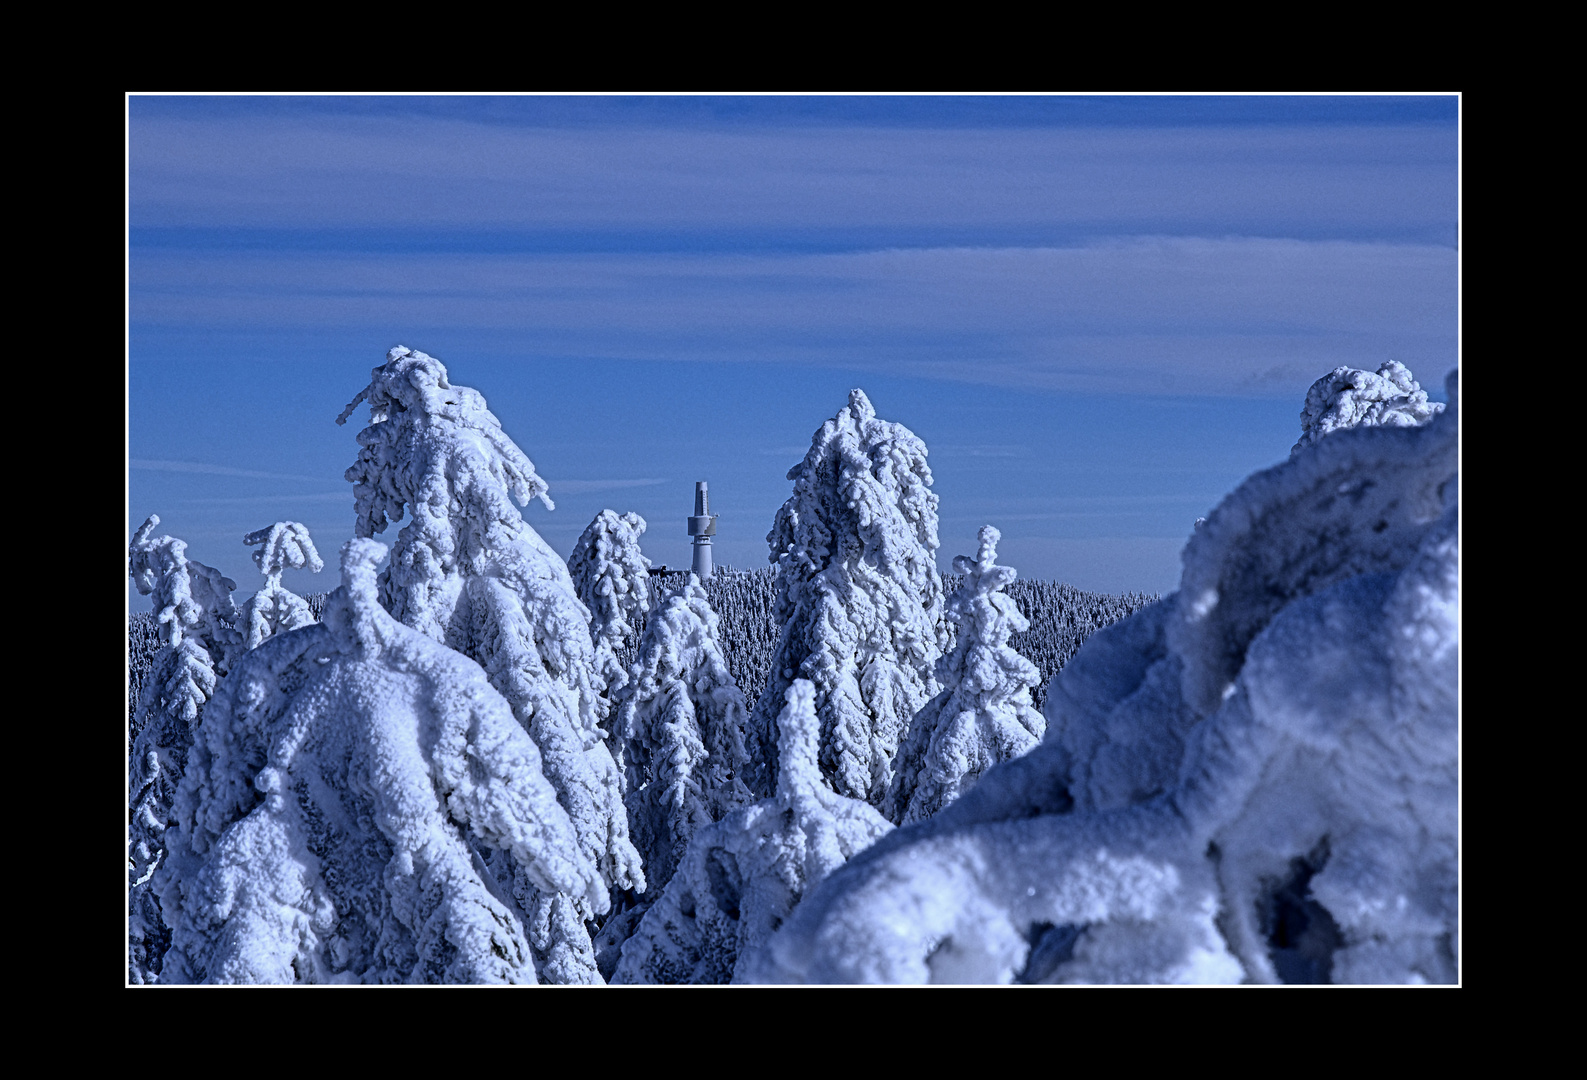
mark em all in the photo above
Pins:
pixel 741 876
pixel 195 609
pixel 467 571
pixel 984 713
pixel 681 724
pixel 859 599
pixel 343 786
pixel 1286 734
pixel 284 545
pixel 612 578
pixel 1348 397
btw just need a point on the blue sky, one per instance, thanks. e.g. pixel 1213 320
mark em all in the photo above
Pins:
pixel 1099 313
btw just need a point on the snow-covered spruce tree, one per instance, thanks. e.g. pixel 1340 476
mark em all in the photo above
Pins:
pixel 612 578
pixel 742 876
pixel 859 599
pixel 195 610
pixel 681 724
pixel 1255 779
pixel 984 713
pixel 1348 397
pixel 469 572
pixel 284 545
pixel 347 780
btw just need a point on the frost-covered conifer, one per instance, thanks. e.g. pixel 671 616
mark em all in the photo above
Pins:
pixel 681 724
pixel 284 545
pixel 1255 779
pixel 612 578
pixel 1349 397
pixel 195 611
pixel 469 572
pixel 742 876
pixel 984 713
pixel 343 789
pixel 859 599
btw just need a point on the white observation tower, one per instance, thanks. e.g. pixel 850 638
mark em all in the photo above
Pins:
pixel 702 526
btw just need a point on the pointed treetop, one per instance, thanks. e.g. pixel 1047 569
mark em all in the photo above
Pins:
pixel 187 595
pixel 984 573
pixel 284 546
pixel 861 405
pixel 798 739
pixel 353 612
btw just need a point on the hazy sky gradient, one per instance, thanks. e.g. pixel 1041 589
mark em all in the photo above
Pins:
pixel 1100 313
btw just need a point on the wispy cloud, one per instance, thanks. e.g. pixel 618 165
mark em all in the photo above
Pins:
pixel 344 496
pixel 992 451
pixel 581 487
pixel 1159 315
pixel 151 465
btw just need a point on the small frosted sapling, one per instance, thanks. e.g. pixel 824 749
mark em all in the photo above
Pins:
pixel 283 546
pixel 984 713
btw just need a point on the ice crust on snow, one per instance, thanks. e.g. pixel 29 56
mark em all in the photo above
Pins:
pixel 741 876
pixel 346 782
pixel 680 724
pixel 859 599
pixel 1348 397
pixel 470 573
pixel 984 713
pixel 274 608
pixel 1296 701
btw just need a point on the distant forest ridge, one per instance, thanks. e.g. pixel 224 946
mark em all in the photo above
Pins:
pixel 1061 618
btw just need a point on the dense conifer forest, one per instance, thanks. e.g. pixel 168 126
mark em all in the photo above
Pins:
pixel 1061 618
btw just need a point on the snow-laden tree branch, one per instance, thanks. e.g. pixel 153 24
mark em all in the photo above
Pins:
pixel 345 784
pixel 1282 730
pixel 612 578
pixel 274 608
pixel 469 572
pixel 681 723
pixel 984 713
pixel 859 598
pixel 193 603
pixel 741 876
